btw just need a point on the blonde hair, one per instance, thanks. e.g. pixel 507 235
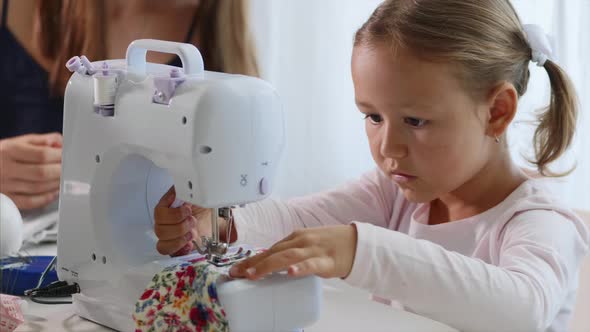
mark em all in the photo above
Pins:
pixel 485 40
pixel 70 27
pixel 225 37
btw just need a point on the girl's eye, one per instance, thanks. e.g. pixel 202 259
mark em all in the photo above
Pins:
pixel 414 122
pixel 375 118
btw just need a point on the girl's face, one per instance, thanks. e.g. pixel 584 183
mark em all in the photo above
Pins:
pixel 425 131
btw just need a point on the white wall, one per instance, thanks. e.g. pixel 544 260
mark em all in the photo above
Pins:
pixel 305 48
pixel 568 25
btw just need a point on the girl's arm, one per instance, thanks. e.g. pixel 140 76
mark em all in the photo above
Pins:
pixel 538 254
pixel 370 198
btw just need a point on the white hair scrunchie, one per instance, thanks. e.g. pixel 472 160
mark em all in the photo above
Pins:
pixel 540 44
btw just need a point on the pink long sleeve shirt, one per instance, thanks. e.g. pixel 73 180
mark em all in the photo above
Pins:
pixel 511 268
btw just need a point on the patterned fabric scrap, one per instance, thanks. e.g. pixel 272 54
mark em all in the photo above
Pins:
pixel 182 298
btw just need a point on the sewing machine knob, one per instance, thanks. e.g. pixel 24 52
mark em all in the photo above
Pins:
pixel 263 186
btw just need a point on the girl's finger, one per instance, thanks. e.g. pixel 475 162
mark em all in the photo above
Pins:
pixel 169 232
pixel 189 246
pixel 168 198
pixel 254 260
pixel 164 215
pixel 275 262
pixel 290 237
pixel 294 240
pixel 172 246
pixel 198 211
pixel 314 265
pixel 184 250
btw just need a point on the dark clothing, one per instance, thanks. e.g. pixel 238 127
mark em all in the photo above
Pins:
pixel 26 105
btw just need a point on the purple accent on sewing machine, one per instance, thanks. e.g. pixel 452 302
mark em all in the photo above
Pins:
pixel 263 186
pixel 105 68
pixel 90 70
pixel 108 110
pixel 75 65
pixel 175 73
pixel 166 86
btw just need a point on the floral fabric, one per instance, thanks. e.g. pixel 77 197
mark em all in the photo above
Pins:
pixel 182 297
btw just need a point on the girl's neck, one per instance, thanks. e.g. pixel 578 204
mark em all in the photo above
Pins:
pixel 490 186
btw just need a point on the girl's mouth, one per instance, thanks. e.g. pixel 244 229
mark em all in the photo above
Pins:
pixel 402 177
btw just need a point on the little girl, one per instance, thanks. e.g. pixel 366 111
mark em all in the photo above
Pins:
pixel 447 224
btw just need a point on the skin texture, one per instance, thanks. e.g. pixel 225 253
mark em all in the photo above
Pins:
pixel 31 167
pixel 434 139
pixel 177 227
pixel 421 122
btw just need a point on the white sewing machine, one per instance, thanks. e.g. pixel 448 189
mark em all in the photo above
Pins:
pixel 131 130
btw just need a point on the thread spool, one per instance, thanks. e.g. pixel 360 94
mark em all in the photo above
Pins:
pixel 105 92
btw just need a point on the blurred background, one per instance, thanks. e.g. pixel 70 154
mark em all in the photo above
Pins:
pixel 305 46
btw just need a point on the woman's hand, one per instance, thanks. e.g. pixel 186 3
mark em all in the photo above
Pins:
pixel 324 251
pixel 31 169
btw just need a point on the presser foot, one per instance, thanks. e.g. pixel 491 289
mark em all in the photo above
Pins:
pixel 225 260
pixel 210 246
pixel 213 248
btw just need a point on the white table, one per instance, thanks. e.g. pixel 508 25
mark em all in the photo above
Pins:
pixel 345 309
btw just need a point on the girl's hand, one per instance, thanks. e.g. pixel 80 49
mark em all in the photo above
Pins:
pixel 324 251
pixel 177 227
pixel 31 169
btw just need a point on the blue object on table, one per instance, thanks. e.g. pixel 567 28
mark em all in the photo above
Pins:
pixel 18 274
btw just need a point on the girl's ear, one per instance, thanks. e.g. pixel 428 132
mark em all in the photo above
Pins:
pixel 503 103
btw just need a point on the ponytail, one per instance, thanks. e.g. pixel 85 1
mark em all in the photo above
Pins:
pixel 557 123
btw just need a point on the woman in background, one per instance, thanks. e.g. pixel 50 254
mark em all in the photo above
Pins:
pixel 34 49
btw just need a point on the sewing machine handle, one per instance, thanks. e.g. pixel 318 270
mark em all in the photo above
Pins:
pixel 189 55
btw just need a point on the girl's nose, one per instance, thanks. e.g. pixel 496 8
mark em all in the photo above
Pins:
pixel 392 145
